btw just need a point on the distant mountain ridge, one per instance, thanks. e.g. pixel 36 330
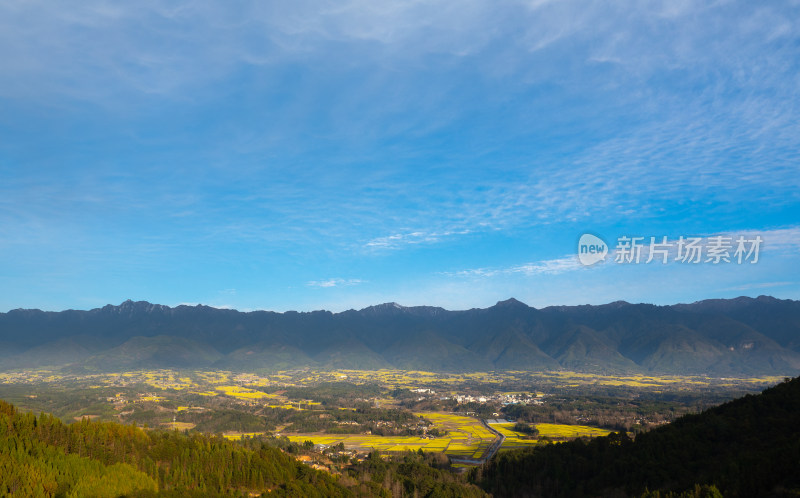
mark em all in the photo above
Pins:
pixel 723 337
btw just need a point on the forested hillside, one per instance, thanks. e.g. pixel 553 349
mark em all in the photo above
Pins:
pixel 42 456
pixel 747 447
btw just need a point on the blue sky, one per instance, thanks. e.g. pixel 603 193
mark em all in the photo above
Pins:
pixel 333 155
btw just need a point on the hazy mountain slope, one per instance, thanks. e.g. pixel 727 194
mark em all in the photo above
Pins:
pixel 683 350
pixel 584 348
pixel 510 350
pixel 154 352
pixel 55 353
pixel 265 357
pixel 426 350
pixel 353 354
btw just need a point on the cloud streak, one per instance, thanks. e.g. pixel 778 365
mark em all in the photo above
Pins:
pixel 335 282
pixel 544 267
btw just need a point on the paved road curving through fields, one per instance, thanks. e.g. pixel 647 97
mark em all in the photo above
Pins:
pixel 496 444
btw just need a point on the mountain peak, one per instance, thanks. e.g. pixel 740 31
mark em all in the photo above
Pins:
pixel 130 306
pixel 384 308
pixel 511 302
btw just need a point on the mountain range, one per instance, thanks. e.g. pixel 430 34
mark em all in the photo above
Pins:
pixel 720 337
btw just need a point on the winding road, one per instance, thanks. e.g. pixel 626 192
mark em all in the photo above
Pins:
pixel 496 444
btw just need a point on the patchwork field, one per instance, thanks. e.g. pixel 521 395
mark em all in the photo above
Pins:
pixel 466 438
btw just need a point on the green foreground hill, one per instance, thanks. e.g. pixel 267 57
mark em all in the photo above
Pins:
pixel 748 447
pixel 42 456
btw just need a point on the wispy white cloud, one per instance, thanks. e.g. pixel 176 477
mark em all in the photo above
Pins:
pixel 401 239
pixel 546 267
pixel 335 282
